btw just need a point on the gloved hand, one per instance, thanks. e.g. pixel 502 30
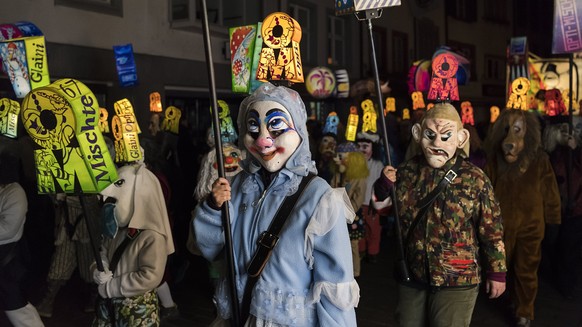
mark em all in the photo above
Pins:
pixel 105 262
pixel 102 277
pixel 102 291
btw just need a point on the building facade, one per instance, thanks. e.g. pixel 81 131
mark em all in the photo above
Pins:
pixel 170 56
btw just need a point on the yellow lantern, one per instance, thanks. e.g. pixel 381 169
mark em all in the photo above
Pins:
pixel 390 105
pixel 352 127
pixel 9 111
pixel 172 120
pixel 125 130
pixel 280 57
pixel 417 100
pixel 103 123
pixel 369 117
pixel 72 156
pixel 518 97
pixel 494 111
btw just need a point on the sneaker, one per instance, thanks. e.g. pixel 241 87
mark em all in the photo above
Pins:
pixel 169 312
pixel 523 322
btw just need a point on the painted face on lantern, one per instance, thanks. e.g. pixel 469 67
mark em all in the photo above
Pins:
pixel 366 149
pixel 439 140
pixel 271 136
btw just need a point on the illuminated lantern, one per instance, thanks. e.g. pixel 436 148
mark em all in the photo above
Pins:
pixel 103 122
pixel 518 97
pixel 227 132
pixel 417 100
pixel 369 116
pixel 390 105
pixel 342 83
pixel 245 46
pixel 9 112
pixel 443 86
pixel 554 104
pixel 155 102
pixel 320 82
pixel 125 130
pixel 72 156
pixel 532 102
pixel 494 113
pixel 419 76
pixel 405 114
pixel 280 58
pixel 331 123
pixel 171 121
pixel 25 62
pixel 124 109
pixel 467 113
pixel 352 127
pixel 463 74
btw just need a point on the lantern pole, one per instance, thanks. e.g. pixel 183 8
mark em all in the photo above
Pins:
pixel 229 252
pixel 401 266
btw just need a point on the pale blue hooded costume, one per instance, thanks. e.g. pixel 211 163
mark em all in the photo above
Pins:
pixel 308 280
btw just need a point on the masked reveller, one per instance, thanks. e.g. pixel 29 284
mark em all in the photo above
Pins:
pixel 309 272
pixel 442 247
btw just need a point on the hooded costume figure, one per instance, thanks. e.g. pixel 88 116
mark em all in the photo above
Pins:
pixel 526 188
pixel 138 214
pixel 308 279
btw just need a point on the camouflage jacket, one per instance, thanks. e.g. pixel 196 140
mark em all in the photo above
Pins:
pixel 462 222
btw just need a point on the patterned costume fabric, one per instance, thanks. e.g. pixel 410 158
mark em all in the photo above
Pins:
pixel 465 218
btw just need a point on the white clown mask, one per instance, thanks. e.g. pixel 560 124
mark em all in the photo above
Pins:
pixel 271 135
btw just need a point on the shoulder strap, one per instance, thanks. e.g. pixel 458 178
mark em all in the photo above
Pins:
pixel 132 233
pixel 269 238
pixel 429 198
pixel 267 242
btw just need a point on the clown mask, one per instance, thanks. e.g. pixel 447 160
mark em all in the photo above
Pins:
pixel 271 136
pixel 440 137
